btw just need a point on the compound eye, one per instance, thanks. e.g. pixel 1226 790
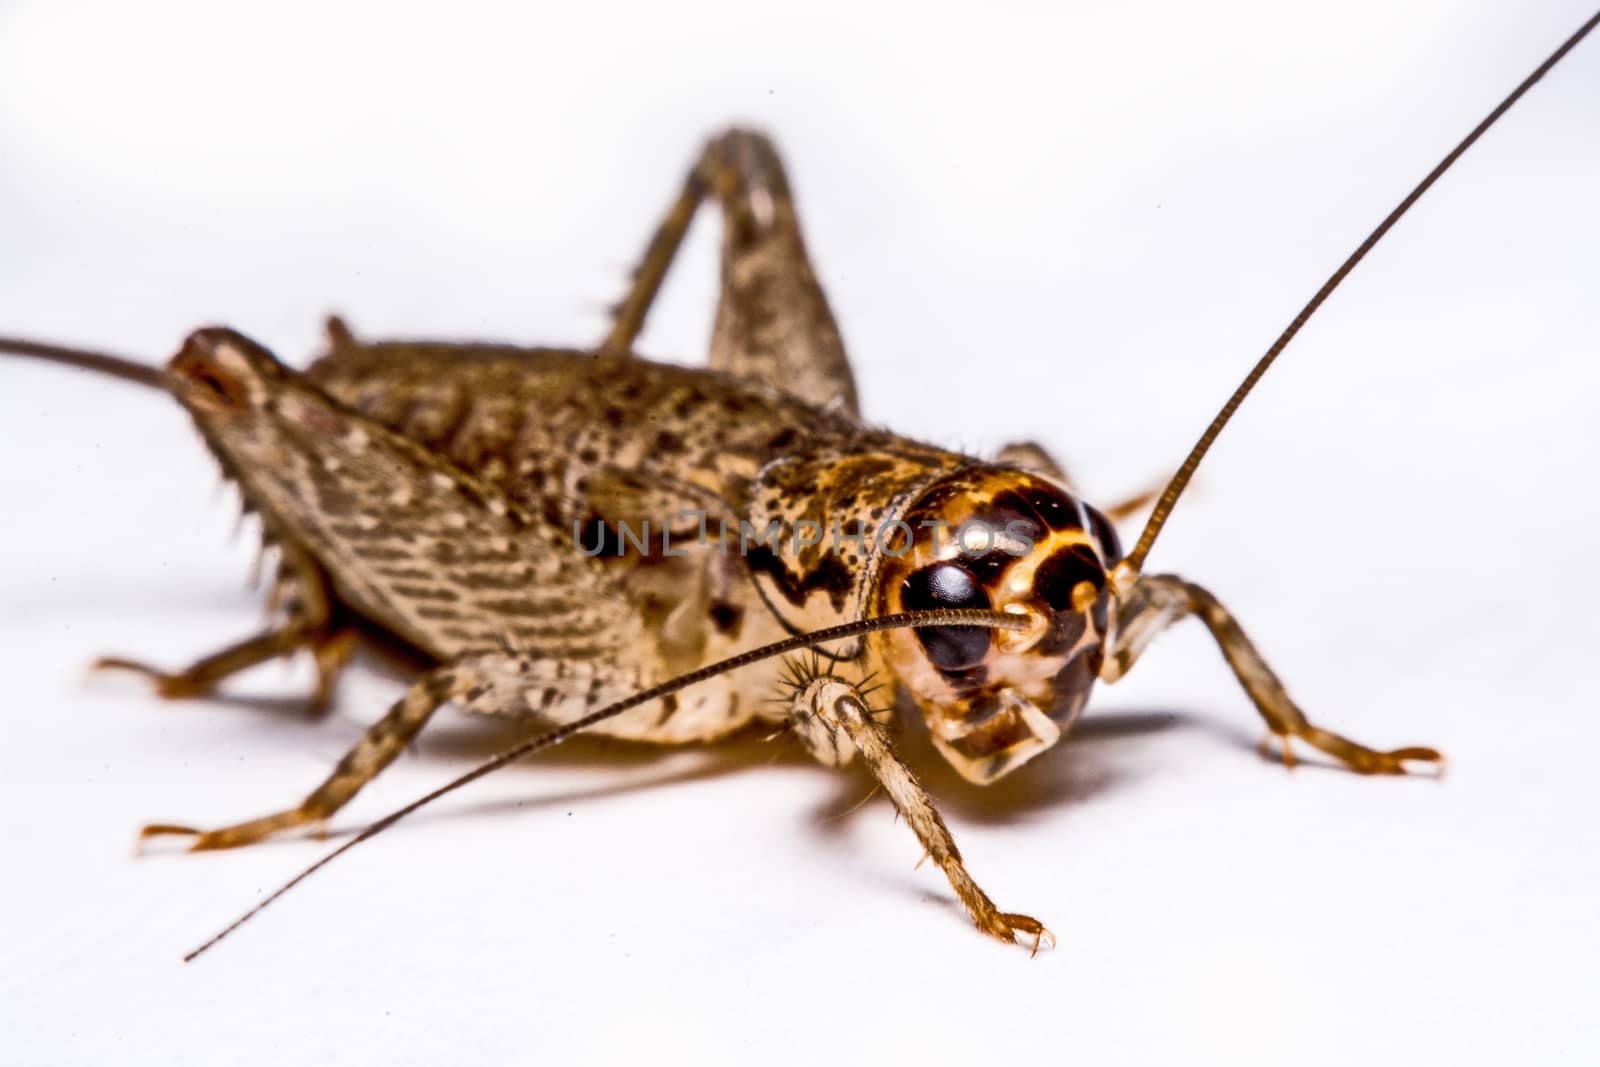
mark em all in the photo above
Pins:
pixel 948 585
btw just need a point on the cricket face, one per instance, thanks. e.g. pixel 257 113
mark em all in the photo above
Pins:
pixel 1002 539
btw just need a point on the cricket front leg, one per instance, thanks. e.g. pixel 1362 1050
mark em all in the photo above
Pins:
pixel 834 721
pixel 1156 602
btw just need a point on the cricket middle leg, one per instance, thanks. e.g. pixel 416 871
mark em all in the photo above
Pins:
pixel 500 682
pixel 379 747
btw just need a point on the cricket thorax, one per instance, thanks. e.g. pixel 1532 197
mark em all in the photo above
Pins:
pixel 999 538
pixel 827 517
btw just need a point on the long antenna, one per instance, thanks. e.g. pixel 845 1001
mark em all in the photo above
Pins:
pixel 938 617
pixel 98 362
pixel 1180 481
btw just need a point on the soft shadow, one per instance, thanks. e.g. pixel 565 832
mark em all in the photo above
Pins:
pixel 1079 768
pixel 133 684
pixel 471 739
pixel 1088 763
pixel 713 766
pixel 280 707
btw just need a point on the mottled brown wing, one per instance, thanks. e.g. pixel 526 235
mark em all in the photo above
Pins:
pixel 413 544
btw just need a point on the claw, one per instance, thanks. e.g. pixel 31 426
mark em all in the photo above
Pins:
pixel 1020 927
pixel 1017 928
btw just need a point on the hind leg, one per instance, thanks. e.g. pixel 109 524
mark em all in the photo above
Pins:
pixel 304 593
pixel 773 321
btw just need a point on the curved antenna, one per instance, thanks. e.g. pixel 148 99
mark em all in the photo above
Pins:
pixel 98 362
pixel 1000 620
pixel 1180 481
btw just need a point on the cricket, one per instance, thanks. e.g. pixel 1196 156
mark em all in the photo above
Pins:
pixel 601 543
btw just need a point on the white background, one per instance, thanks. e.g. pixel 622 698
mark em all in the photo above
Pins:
pixel 1079 227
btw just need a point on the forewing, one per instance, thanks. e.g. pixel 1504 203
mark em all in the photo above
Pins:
pixel 412 542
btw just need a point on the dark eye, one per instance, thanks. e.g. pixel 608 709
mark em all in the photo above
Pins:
pixel 948 585
pixel 1059 575
pixel 1054 507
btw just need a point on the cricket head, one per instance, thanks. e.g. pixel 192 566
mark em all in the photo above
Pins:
pixel 1007 540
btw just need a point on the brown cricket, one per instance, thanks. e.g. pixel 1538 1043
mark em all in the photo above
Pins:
pixel 605 543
